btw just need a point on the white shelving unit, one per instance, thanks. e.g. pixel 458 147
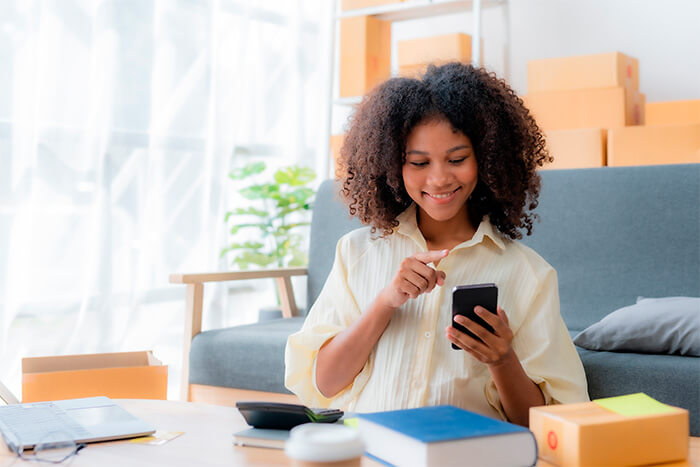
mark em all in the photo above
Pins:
pixel 407 10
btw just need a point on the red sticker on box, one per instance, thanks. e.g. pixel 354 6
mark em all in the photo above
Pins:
pixel 552 441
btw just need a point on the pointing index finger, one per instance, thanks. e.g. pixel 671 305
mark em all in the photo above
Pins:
pixel 430 256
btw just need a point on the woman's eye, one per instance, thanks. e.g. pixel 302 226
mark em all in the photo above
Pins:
pixel 457 161
pixel 419 164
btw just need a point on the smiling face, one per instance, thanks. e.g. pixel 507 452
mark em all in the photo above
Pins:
pixel 440 172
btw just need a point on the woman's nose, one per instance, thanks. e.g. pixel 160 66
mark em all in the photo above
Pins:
pixel 440 174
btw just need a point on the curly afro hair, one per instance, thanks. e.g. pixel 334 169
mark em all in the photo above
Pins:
pixel 508 144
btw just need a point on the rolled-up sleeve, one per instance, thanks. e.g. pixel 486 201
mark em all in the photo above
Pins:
pixel 334 310
pixel 545 350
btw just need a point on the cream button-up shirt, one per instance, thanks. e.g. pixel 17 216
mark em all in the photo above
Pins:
pixel 413 363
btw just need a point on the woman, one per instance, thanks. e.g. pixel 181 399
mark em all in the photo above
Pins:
pixel 443 169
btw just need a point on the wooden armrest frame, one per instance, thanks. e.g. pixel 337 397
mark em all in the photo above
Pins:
pixel 195 299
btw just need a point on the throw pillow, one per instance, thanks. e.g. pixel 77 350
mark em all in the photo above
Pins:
pixel 669 325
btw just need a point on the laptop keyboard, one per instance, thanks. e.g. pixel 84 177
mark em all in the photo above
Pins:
pixel 31 424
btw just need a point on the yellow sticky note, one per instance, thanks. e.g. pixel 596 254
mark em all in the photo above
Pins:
pixel 634 404
pixel 158 438
pixel 351 422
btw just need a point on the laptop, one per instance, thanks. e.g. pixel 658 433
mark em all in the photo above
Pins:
pixel 83 420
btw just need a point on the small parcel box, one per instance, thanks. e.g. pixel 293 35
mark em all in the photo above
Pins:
pixel 121 375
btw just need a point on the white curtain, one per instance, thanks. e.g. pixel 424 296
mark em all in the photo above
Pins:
pixel 119 121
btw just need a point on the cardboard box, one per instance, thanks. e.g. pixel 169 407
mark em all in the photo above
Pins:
pixel 651 145
pixel 587 434
pixel 606 70
pixel 123 375
pixel 365 54
pixel 415 55
pixel 357 4
pixel 586 108
pixel 672 112
pixel 575 149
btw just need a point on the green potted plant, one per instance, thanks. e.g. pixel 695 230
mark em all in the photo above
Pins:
pixel 267 231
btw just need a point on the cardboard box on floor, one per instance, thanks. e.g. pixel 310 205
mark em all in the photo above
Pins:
pixel 365 54
pixel 414 55
pixel 652 145
pixel 357 4
pixel 583 72
pixel 575 149
pixel 672 112
pixel 122 375
pixel 586 108
pixel 587 434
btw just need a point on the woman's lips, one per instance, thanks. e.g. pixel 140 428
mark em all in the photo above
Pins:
pixel 442 198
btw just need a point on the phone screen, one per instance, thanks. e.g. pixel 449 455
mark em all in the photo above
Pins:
pixel 466 297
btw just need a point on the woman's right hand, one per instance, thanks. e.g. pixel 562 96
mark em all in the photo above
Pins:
pixel 413 278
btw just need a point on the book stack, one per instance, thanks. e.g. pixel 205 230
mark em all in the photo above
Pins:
pixel 445 436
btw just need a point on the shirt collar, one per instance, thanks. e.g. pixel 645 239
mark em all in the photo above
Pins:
pixel 409 227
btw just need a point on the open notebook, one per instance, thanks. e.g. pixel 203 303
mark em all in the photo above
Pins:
pixel 82 420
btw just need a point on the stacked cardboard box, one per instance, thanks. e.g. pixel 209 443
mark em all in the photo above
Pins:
pixel 416 54
pixel 673 112
pixel 654 144
pixel 671 136
pixel 590 91
pixel 580 148
pixel 365 54
pixel 575 100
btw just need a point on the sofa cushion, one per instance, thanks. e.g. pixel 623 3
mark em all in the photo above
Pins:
pixel 613 233
pixel 244 357
pixel 671 379
pixel 668 325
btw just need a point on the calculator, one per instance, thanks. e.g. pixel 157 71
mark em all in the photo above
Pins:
pixel 279 416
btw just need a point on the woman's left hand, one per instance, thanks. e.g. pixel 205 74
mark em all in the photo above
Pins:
pixel 495 347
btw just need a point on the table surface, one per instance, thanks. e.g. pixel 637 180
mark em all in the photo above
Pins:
pixel 207 441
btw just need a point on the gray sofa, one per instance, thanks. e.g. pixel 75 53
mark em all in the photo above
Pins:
pixel 612 234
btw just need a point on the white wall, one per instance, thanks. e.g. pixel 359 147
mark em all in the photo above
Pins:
pixel 663 34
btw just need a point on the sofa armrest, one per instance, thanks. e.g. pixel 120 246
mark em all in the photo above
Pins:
pixel 235 275
pixel 195 299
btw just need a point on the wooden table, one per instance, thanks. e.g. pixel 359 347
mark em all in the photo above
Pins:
pixel 207 441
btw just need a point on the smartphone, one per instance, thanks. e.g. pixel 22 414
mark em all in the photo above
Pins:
pixel 466 297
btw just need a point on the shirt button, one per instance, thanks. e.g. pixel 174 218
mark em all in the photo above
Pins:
pixel 427 335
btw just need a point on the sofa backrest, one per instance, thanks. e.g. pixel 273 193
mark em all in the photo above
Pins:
pixel 612 234
pixel 616 233
pixel 330 221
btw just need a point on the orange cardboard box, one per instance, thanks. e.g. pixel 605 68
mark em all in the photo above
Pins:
pixel 574 149
pixel 415 55
pixel 586 108
pixel 672 112
pixel 123 375
pixel 651 145
pixel 583 72
pixel 357 4
pixel 586 434
pixel 365 54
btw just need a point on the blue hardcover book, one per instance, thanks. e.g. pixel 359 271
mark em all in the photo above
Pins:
pixel 445 436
